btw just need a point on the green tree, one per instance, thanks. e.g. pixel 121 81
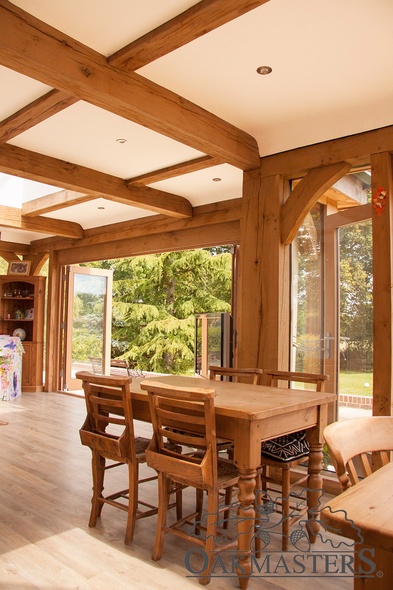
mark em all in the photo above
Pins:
pixel 155 299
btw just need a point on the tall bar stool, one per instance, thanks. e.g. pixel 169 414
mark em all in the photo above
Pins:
pixel 109 432
pixel 188 414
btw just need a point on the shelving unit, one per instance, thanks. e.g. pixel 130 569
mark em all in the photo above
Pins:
pixel 22 304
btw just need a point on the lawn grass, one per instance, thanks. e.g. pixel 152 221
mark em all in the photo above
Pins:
pixel 354 383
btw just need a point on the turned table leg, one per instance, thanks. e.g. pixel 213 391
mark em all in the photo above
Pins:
pixel 245 527
pixel 314 489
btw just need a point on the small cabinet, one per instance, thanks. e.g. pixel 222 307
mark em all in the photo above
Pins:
pixel 22 306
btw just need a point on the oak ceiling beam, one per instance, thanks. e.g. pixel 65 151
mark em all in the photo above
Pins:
pixel 176 170
pixel 305 195
pixel 215 214
pixel 8 256
pixel 37 111
pixel 198 20
pixel 201 18
pixel 188 239
pixel 12 217
pixel 33 48
pixel 54 202
pixel 355 149
pixel 14 248
pixel 27 164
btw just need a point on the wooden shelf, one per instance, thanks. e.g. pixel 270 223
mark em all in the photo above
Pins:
pixel 33 344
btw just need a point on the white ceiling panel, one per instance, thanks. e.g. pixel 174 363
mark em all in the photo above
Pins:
pixel 17 91
pixel 102 25
pixel 87 135
pixel 219 183
pixel 98 212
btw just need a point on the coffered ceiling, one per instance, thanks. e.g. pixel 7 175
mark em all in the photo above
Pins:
pixel 127 109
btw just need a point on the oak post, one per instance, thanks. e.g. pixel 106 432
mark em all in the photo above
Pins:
pixel 263 286
pixel 52 368
pixel 382 224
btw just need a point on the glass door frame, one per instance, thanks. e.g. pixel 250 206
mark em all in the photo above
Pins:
pixel 330 295
pixel 333 223
pixel 67 381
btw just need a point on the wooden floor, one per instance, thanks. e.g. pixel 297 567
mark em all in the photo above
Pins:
pixel 45 491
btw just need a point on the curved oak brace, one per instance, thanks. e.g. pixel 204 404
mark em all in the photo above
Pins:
pixel 305 195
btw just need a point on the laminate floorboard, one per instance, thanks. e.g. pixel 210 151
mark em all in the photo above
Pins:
pixel 45 492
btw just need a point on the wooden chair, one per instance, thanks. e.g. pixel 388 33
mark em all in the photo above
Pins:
pixel 109 432
pixel 117 367
pixel 235 375
pixel 280 455
pixel 359 446
pixel 188 413
pixel 252 376
pixel 96 363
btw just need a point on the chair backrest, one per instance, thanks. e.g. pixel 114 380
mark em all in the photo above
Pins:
pixel 186 417
pixel 272 377
pixel 359 446
pixel 120 364
pixel 108 427
pixel 236 375
pixel 96 363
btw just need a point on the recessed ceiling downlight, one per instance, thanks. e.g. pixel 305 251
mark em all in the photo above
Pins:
pixel 264 70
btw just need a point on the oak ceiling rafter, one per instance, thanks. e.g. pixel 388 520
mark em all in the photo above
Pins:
pixel 203 17
pixel 37 111
pixel 177 170
pixel 12 217
pixel 31 47
pixel 54 202
pixel 20 162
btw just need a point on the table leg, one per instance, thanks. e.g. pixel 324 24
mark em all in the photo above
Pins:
pixel 314 489
pixel 382 577
pixel 245 528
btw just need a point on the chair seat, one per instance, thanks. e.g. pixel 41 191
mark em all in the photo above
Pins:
pixel 141 445
pixel 286 448
pixel 226 469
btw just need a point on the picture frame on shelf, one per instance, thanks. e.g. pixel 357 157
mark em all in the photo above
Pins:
pixel 19 267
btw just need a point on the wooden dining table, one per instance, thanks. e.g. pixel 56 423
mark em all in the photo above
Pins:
pixel 247 415
pixel 367 508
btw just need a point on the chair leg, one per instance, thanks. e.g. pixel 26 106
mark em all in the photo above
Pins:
pixel 286 488
pixel 98 473
pixel 228 501
pixel 198 510
pixel 163 489
pixel 211 533
pixel 179 501
pixel 133 476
